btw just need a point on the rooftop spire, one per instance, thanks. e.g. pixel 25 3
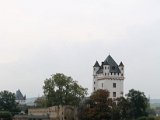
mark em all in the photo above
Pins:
pixel 121 64
pixel 96 64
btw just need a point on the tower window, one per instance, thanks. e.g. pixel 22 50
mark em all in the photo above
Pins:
pixel 114 85
pixel 113 67
pixel 94 82
pixel 114 94
pixel 122 74
pixel 121 68
pixel 105 74
pixel 102 85
pixel 94 69
pixel 94 88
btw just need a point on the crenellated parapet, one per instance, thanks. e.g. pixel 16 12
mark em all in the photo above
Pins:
pixel 109 75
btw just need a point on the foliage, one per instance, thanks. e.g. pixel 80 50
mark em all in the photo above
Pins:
pixel 62 90
pixel 151 112
pixel 40 102
pixel 98 106
pixel 139 103
pixel 83 106
pixel 120 109
pixel 145 118
pixel 7 101
pixel 142 118
pixel 157 118
pixel 5 115
pixel 124 107
pixel 115 112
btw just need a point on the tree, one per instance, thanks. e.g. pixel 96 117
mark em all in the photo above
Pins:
pixel 40 102
pixel 121 109
pixel 139 103
pixel 62 90
pixel 7 101
pixel 98 107
pixel 115 112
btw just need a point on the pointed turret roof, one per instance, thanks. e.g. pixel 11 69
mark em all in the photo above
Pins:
pixel 96 64
pixel 121 64
pixel 113 65
pixel 105 63
pixel 19 95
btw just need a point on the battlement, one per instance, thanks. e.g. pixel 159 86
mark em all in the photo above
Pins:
pixel 119 76
pixel 110 75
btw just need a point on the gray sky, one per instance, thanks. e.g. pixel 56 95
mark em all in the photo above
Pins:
pixel 43 37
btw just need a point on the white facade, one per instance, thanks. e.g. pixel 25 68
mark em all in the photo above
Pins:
pixel 109 76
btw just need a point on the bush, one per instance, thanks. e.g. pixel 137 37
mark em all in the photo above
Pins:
pixel 151 118
pixel 142 118
pixel 5 115
pixel 157 118
pixel 146 118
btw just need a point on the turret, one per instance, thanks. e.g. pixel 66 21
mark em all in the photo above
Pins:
pixel 105 68
pixel 96 68
pixel 121 68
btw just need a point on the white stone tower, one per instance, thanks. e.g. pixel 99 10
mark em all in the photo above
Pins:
pixel 109 76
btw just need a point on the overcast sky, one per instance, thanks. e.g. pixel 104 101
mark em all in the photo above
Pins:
pixel 43 37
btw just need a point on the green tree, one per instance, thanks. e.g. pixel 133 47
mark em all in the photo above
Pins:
pixel 7 101
pixel 139 103
pixel 115 112
pixel 62 90
pixel 121 109
pixel 99 106
pixel 83 108
pixel 40 102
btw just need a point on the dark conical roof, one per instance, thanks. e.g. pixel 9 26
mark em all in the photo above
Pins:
pixel 121 64
pixel 19 95
pixel 96 64
pixel 105 63
pixel 113 65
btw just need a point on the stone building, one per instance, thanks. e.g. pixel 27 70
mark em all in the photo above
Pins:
pixel 50 113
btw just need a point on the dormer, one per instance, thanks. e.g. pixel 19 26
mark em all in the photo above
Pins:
pixel 106 68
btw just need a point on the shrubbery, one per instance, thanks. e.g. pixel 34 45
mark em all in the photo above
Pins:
pixel 5 115
pixel 148 118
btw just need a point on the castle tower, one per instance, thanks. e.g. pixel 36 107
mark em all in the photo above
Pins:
pixel 109 76
pixel 96 67
pixel 20 98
